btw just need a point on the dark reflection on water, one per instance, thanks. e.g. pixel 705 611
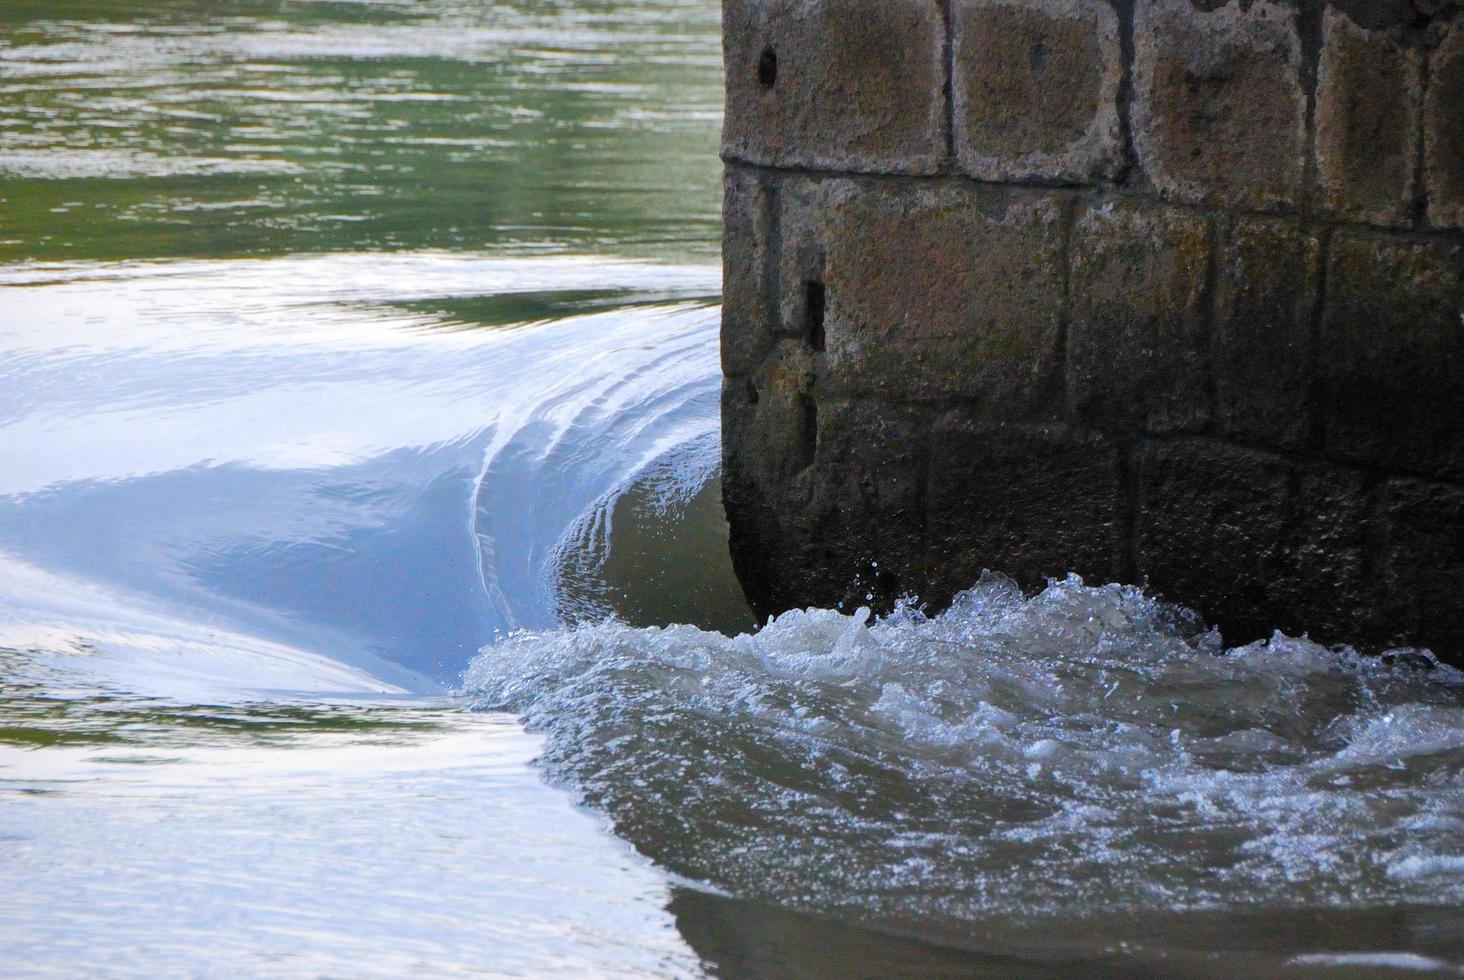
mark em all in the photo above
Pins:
pixel 746 940
pixel 649 557
pixel 518 309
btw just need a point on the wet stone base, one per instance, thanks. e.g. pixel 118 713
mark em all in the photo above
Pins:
pixel 1153 291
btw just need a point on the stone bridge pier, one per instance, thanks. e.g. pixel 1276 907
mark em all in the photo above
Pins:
pixel 1157 291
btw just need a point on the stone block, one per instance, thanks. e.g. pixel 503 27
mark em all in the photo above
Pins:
pixel 823 496
pixel 869 475
pixel 1423 566
pixel 854 85
pixel 1265 293
pixel 1219 112
pixel 769 426
pixel 1035 89
pixel 1137 344
pixel 1392 354
pixel 1324 586
pixel 774 409
pixel 1444 131
pixel 1212 525
pixel 929 292
pixel 1369 88
pixel 806 208
pixel 1257 542
pixel 748 317
pixel 1030 502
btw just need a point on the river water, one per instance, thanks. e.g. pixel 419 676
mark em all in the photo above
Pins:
pixel 364 599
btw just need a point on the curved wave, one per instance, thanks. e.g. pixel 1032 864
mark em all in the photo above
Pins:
pixel 388 455
pixel 600 412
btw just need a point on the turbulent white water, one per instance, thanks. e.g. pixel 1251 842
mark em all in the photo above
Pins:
pixel 317 494
pixel 1078 752
pixel 349 472
pixel 256 514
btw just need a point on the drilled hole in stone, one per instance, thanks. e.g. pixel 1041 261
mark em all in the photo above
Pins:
pixel 1038 56
pixel 814 303
pixel 767 68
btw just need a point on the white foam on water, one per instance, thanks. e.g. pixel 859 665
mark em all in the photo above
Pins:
pixel 1084 749
pixel 1383 961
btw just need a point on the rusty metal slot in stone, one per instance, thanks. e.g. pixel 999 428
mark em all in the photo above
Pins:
pixel 767 68
pixel 814 305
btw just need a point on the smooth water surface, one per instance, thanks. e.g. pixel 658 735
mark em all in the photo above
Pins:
pixel 346 340
pixel 257 127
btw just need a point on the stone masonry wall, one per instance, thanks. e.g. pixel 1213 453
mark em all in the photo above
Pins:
pixel 1162 291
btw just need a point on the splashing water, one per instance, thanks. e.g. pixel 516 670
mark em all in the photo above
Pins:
pixel 1078 751
pixel 254 510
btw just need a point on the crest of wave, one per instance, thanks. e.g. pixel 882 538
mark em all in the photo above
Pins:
pixel 1084 748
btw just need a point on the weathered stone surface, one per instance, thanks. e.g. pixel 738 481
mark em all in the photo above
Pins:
pixel 869 474
pixel 807 207
pixel 774 407
pixel 1211 530
pixel 1444 131
pixel 769 436
pixel 1236 375
pixel 1327 587
pixel 1423 568
pixel 1035 86
pixel 1373 14
pixel 747 317
pixel 1137 342
pixel 1392 354
pixel 854 85
pixel 838 521
pixel 964 282
pixel 1219 113
pixel 1257 542
pixel 1030 502
pixel 1265 295
pixel 1368 101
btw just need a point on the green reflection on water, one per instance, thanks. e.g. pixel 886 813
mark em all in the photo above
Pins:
pixel 44 705
pixel 178 128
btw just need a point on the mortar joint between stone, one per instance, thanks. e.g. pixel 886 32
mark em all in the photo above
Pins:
pixel 1316 422
pixel 1310 18
pixel 1065 314
pixel 1209 319
pixel 1130 168
pixel 948 83
pixel 1418 207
